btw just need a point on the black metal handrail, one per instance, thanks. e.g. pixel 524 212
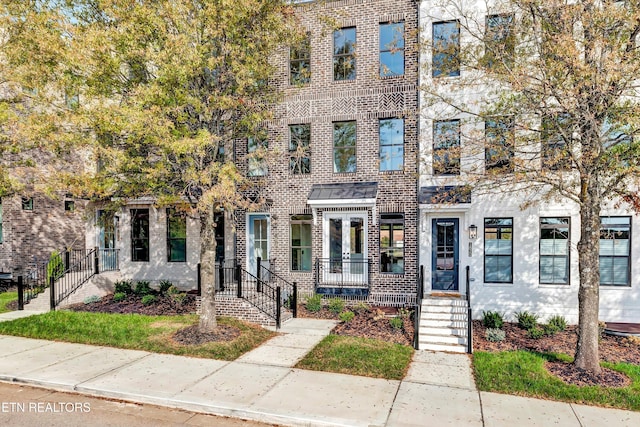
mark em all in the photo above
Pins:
pixel 349 273
pixel 418 310
pixel 289 291
pixel 262 295
pixel 469 315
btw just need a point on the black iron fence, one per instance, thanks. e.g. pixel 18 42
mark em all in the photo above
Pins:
pixel 289 291
pixel 351 273
pixel 469 315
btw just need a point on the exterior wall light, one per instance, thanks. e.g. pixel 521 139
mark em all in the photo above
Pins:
pixel 473 232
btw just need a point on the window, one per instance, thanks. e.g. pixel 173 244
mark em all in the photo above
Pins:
pixel 446 147
pixel 301 243
pixel 391 144
pixel 300 62
pixel 256 148
pixel 344 147
pixel 499 149
pixel 446 49
pixel 556 131
pixel 27 203
pixel 176 236
pixel 554 251
pixel 69 205
pixel 344 56
pixel 299 141
pixel 615 251
pixel 392 243
pixel 499 40
pixel 139 234
pixel 498 250
pixel 392 49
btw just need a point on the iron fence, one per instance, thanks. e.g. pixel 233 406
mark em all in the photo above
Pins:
pixel 351 273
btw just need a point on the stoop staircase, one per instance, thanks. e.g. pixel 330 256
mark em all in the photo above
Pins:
pixel 443 324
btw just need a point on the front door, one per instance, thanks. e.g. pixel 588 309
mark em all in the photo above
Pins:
pixel 258 241
pixel 444 254
pixel 107 228
pixel 345 248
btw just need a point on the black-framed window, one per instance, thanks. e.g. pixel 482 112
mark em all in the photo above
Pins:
pixel 615 251
pixel 392 243
pixel 300 62
pixel 391 49
pixel 176 236
pixel 498 250
pixel 256 153
pixel 299 148
pixel 344 147
pixel 446 147
pixel 499 40
pixel 344 54
pixel 499 144
pixel 27 203
pixel 446 49
pixel 139 234
pixel 554 250
pixel 391 134
pixel 301 255
pixel 556 131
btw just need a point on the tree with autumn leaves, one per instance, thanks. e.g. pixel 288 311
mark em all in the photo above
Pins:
pixel 153 93
pixel 549 88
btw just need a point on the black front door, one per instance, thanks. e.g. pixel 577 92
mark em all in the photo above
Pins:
pixel 444 254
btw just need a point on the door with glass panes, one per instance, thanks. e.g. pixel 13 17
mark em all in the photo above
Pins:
pixel 444 254
pixel 345 248
pixel 258 244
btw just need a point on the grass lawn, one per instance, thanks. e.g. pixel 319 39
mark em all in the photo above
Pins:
pixel 134 331
pixel 359 356
pixel 523 373
pixel 6 298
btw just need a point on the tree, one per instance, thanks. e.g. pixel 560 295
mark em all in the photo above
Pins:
pixel 155 92
pixel 555 84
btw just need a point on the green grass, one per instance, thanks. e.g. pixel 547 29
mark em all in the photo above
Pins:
pixel 359 356
pixel 134 331
pixel 6 298
pixel 523 373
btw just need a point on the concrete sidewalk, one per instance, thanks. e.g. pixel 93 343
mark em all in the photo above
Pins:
pixel 262 385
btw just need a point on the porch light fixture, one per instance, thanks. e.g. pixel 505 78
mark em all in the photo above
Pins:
pixel 473 232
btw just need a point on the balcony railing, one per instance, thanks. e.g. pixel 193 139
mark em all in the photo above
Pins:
pixel 343 274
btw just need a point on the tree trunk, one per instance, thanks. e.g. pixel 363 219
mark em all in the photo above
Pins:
pixel 587 350
pixel 207 271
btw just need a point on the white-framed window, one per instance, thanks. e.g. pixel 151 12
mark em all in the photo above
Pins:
pixel 301 259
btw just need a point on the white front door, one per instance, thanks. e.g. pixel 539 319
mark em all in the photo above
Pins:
pixel 345 248
pixel 258 244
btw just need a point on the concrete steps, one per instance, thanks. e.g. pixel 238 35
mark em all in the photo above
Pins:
pixel 443 324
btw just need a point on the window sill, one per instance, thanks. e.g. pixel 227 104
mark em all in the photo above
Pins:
pixel 612 287
pixel 393 172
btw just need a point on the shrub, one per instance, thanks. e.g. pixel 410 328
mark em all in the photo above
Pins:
pixel 148 299
pixel 164 287
pixel 550 330
pixel 119 296
pixel 526 320
pixel 314 303
pixel 396 322
pixel 55 266
pixel 559 322
pixel 346 316
pixel 92 299
pixel 404 313
pixel 143 288
pixel 336 305
pixel 492 319
pixel 494 335
pixel 173 290
pixel 536 332
pixel 123 287
pixel 361 307
pixel 178 297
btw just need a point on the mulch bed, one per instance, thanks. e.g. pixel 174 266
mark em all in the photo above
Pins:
pixel 612 349
pixel 132 304
pixel 191 335
pixel 372 323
